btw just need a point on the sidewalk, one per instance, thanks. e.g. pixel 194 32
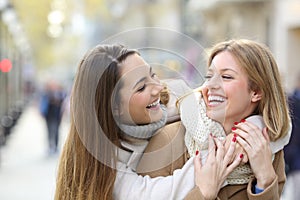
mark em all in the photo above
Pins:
pixel 26 171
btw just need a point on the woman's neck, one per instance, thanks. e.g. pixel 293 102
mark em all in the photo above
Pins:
pixel 227 127
pixel 228 124
pixel 144 131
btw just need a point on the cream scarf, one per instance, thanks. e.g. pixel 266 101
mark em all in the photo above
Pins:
pixel 198 127
pixel 144 131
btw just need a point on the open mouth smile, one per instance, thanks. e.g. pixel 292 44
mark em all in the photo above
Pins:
pixel 154 104
pixel 214 100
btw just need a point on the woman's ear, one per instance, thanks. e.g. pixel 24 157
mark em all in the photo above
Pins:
pixel 256 96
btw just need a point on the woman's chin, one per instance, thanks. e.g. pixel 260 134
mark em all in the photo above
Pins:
pixel 216 116
pixel 156 116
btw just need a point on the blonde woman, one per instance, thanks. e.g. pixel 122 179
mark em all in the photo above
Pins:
pixel 242 81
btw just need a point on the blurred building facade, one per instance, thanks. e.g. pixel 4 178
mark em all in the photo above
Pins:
pixel 15 64
pixel 86 23
pixel 273 22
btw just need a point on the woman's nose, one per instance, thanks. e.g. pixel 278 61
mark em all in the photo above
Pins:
pixel 214 82
pixel 156 88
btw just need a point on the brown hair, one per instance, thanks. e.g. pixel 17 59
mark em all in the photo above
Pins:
pixel 86 169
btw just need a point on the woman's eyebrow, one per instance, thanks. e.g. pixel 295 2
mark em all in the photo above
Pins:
pixel 228 69
pixel 139 81
pixel 222 70
pixel 142 79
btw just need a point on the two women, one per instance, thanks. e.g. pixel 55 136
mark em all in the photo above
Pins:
pixel 115 110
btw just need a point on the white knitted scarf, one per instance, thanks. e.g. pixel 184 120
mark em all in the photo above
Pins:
pixel 198 127
pixel 145 131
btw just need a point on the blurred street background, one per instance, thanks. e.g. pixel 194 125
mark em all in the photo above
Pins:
pixel 27 170
pixel 41 43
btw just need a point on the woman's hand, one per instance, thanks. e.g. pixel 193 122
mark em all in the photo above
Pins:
pixel 238 148
pixel 210 176
pixel 257 147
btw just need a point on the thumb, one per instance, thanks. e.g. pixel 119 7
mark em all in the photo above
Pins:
pixel 265 134
pixel 197 168
pixel 197 161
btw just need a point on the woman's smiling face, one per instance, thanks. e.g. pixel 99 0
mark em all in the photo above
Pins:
pixel 140 92
pixel 226 92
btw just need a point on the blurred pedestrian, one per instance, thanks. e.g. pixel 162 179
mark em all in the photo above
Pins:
pixel 51 109
pixel 292 150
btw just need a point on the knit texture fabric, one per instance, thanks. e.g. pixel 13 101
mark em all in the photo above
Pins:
pixel 145 131
pixel 198 127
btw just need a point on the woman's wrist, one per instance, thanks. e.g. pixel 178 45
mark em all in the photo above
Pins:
pixel 207 195
pixel 265 181
pixel 257 190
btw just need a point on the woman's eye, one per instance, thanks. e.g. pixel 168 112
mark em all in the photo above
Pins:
pixel 227 77
pixel 140 89
pixel 154 75
pixel 208 76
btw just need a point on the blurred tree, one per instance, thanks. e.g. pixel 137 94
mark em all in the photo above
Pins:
pixel 33 15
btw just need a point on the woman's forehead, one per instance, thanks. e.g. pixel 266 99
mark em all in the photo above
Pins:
pixel 224 61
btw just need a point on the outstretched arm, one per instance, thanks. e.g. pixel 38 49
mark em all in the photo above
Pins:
pixel 129 185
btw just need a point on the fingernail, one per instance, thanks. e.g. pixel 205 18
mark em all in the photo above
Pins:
pixel 234 135
pixel 197 152
pixel 233 128
pixel 243 120
pixel 241 155
pixel 236 123
pixel 234 139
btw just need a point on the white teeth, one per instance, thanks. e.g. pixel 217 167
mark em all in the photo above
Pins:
pixel 216 98
pixel 214 103
pixel 153 104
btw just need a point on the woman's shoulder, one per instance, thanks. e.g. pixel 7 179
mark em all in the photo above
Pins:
pixel 173 132
pixel 163 149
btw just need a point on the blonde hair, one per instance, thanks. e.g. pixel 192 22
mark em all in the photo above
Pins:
pixel 87 165
pixel 259 64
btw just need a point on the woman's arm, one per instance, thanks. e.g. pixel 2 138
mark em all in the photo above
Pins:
pixel 259 153
pixel 274 190
pixel 129 185
pixel 165 152
pixel 209 177
pixel 165 146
